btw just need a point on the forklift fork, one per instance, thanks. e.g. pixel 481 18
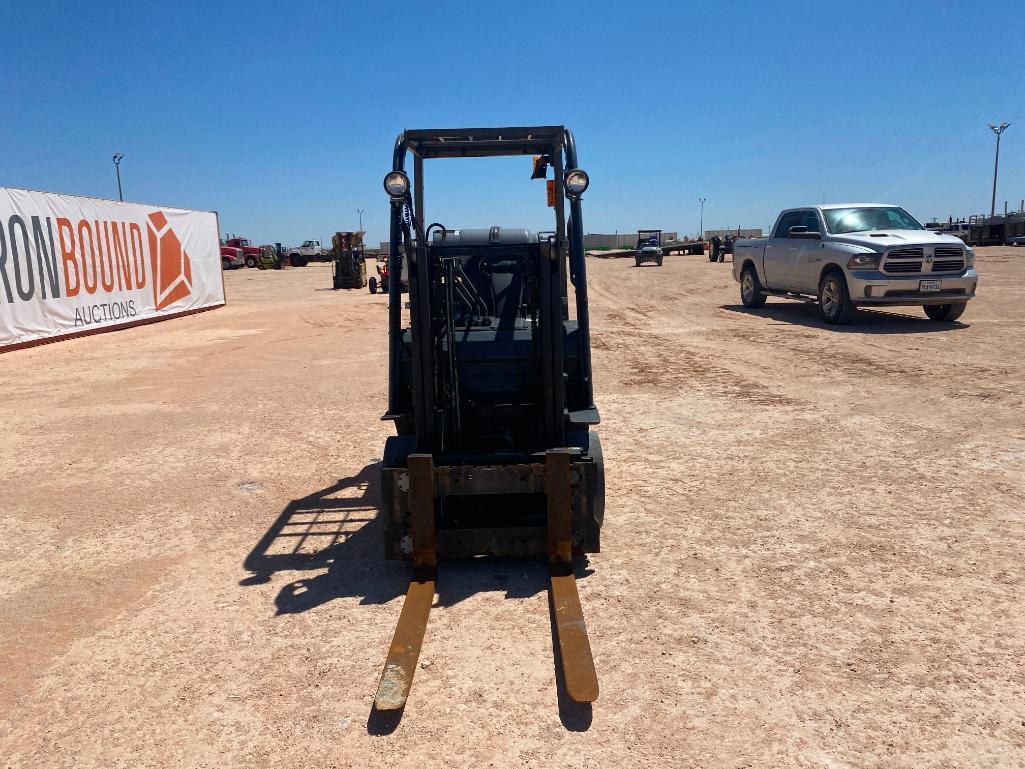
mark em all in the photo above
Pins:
pixel 409 633
pixel 574 648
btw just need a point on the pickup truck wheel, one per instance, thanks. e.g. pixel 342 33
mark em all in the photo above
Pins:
pixel 834 300
pixel 751 289
pixel 945 312
pixel 373 285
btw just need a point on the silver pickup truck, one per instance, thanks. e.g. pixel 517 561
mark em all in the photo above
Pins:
pixel 853 255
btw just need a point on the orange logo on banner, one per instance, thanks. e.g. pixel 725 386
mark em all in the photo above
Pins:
pixel 172 269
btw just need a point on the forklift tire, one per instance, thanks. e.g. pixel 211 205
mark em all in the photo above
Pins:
pixel 396 449
pixel 658 261
pixel 373 285
pixel 594 450
pixel 588 538
pixel 637 261
pixel 711 257
pixel 250 261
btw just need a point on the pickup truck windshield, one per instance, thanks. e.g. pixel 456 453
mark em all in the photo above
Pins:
pixel 841 220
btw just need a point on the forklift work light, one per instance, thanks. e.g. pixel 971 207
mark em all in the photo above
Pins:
pixel 576 182
pixel 396 184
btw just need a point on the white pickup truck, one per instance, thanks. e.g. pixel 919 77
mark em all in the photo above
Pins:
pixel 299 256
pixel 852 255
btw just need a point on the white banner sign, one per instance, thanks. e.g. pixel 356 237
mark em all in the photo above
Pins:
pixel 71 265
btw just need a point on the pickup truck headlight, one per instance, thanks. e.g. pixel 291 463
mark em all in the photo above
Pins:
pixel 864 262
pixel 969 257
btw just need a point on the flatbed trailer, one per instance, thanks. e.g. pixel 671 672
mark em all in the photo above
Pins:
pixel 694 247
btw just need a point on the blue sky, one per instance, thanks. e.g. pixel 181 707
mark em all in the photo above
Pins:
pixel 282 116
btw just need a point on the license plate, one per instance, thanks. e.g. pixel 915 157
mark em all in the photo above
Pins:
pixel 929 285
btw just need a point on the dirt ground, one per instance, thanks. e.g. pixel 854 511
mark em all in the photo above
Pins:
pixel 812 552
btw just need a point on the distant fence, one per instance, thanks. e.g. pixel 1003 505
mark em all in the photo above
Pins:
pixel 594 240
pixel 618 240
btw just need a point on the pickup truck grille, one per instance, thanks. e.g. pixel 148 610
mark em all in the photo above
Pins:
pixel 904 260
pixel 948 259
pixel 906 253
pixel 912 260
pixel 904 266
pixel 948 265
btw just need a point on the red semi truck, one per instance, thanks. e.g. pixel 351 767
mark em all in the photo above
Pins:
pixel 250 253
pixel 231 257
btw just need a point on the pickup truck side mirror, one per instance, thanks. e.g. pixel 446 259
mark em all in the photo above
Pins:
pixel 801 232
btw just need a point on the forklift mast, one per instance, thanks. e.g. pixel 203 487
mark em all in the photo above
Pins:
pixel 445 281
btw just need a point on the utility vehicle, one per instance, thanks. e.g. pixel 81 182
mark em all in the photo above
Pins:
pixel 649 247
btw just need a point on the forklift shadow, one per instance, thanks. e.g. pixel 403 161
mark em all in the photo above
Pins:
pixel 341 536
pixel 332 529
pixel 518 578
pixel 868 321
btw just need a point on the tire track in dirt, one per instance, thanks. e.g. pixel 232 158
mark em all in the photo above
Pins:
pixel 661 364
pixel 657 362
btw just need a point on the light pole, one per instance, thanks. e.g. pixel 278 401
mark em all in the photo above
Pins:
pixel 701 226
pixel 997 129
pixel 117 168
pixel 360 212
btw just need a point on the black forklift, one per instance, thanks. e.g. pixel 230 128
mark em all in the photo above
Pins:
pixel 490 393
